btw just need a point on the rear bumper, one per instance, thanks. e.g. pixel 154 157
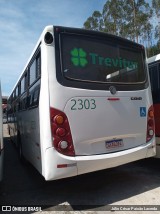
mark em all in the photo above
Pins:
pixel 1 164
pixel 100 162
pixel 85 164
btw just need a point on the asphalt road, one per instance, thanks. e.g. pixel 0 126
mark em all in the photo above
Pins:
pixel 135 184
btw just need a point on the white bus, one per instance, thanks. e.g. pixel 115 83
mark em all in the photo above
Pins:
pixel 154 70
pixel 1 137
pixel 82 103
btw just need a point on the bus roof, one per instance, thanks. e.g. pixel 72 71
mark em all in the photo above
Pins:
pixel 153 58
pixel 49 28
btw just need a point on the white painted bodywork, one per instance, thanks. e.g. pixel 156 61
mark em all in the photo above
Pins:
pixel 90 129
pixel 153 58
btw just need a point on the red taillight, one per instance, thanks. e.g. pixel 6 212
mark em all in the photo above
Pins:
pixel 150 124
pixel 61 133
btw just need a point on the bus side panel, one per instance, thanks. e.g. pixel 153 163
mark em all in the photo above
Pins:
pixel 30 136
pixel 157 119
pixel 47 71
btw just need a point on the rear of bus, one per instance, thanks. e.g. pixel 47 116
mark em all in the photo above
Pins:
pixel 100 103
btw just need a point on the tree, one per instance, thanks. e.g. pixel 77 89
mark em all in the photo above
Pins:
pixel 138 14
pixel 126 18
pixel 153 50
pixel 94 22
pixel 113 16
pixel 156 6
pixel 157 32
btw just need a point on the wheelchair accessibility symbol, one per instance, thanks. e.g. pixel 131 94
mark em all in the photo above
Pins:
pixel 142 111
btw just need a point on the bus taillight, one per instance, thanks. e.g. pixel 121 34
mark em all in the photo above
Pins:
pixel 61 133
pixel 150 124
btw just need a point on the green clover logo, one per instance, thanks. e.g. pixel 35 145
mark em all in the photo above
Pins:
pixel 79 57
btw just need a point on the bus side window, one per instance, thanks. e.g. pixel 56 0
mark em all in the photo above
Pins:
pixel 35 69
pixel 36 96
pixel 33 97
pixel 23 102
pixel 29 100
pixel 32 73
pixel 22 85
pixel 38 65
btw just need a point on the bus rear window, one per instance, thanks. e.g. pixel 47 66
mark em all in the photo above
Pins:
pixel 97 60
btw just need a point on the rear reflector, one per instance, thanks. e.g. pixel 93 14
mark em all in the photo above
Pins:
pixel 66 165
pixel 62 166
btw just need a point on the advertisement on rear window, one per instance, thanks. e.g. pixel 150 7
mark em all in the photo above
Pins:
pixel 91 59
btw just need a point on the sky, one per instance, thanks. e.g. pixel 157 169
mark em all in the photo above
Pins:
pixel 21 24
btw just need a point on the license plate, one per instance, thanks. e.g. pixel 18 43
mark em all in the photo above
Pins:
pixel 114 144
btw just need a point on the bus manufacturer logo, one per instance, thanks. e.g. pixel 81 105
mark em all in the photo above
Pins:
pixel 112 89
pixel 136 98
